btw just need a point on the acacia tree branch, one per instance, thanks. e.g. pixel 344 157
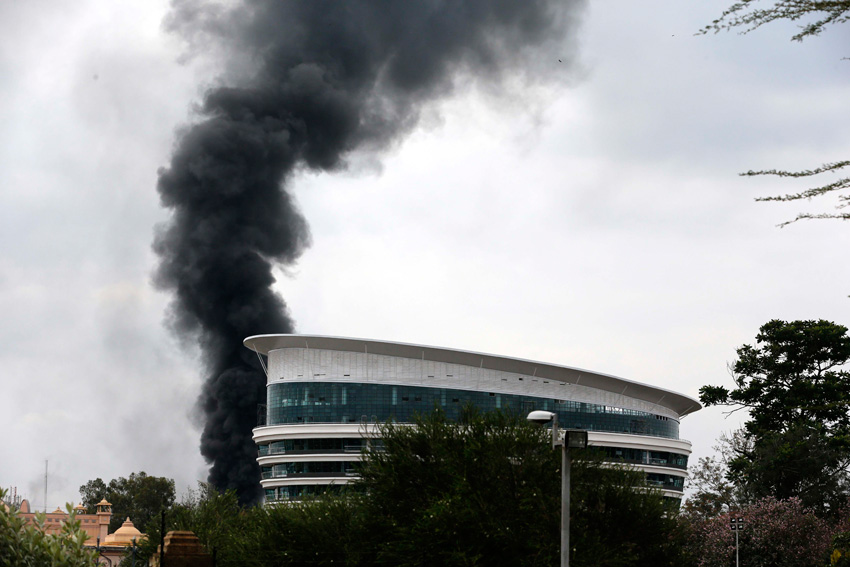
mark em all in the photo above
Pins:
pixel 808 193
pixel 809 216
pixel 742 15
pixel 745 15
pixel 838 185
pixel 805 173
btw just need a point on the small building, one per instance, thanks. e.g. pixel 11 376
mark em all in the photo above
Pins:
pixel 95 525
pixel 111 547
pixel 182 549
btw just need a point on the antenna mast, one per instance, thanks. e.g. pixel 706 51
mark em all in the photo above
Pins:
pixel 45 486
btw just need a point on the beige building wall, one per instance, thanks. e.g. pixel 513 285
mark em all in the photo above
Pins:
pixel 96 527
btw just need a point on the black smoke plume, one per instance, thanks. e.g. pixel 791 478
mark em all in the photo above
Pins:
pixel 309 83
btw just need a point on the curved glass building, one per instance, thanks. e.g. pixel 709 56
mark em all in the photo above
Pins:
pixel 326 396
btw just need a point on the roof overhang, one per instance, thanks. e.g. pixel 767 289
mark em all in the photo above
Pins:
pixel 679 403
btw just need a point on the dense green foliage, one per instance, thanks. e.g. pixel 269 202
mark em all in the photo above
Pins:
pixel 795 386
pixel 139 497
pixel 475 494
pixel 485 491
pixel 23 545
pixel 329 530
pixel 792 375
pixel 217 518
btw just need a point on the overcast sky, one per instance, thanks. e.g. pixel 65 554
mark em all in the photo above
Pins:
pixel 599 224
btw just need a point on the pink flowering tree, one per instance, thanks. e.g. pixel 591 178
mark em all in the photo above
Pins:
pixel 777 533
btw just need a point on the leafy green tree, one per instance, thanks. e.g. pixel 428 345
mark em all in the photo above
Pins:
pixel 793 374
pixel 486 491
pixel 93 492
pixel 795 385
pixel 801 462
pixel 480 492
pixel 27 545
pixel 329 530
pixel 217 518
pixel 139 497
pixel 713 494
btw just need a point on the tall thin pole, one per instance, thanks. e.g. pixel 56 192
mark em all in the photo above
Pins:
pixel 737 563
pixel 566 462
pixel 162 539
pixel 45 486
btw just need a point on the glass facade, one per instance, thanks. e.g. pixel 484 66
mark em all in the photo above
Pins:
pixel 307 446
pixel 287 493
pixel 639 456
pixel 335 402
pixel 296 403
pixel 310 469
pixel 667 481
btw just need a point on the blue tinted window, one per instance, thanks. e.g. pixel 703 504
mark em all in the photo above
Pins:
pixel 335 402
pixel 638 456
pixel 667 481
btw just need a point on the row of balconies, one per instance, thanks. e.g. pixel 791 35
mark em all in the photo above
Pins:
pixel 283 474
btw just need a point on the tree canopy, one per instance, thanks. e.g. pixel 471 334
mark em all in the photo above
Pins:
pixel 796 386
pixel 484 491
pixel 139 497
pixel 793 374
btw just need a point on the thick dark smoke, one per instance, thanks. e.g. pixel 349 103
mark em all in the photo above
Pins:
pixel 317 81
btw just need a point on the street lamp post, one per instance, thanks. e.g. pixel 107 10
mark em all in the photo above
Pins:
pixel 737 524
pixel 571 439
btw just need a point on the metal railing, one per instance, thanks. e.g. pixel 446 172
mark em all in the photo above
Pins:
pixel 283 474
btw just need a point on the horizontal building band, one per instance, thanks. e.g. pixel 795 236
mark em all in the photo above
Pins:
pixel 309 468
pixel 322 445
pixel 362 360
pixel 666 459
pixel 293 450
pixel 331 402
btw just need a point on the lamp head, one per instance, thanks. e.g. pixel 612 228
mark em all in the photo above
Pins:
pixel 540 417
pixel 576 438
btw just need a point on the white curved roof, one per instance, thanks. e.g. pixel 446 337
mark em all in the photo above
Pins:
pixel 679 403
